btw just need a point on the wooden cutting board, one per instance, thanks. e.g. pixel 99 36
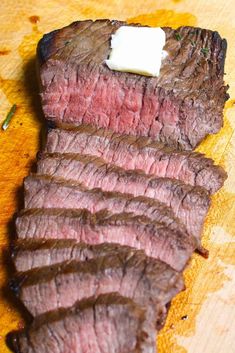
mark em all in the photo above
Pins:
pixel 202 318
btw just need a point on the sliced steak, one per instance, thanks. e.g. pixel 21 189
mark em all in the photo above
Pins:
pixel 43 191
pixel 34 253
pixel 153 283
pixel 31 254
pixel 158 241
pixel 189 203
pixel 107 324
pixel 142 153
pixel 179 108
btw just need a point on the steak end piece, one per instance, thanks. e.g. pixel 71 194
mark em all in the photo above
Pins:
pixel 179 108
pixel 107 324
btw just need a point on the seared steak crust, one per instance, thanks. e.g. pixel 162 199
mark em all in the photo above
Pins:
pixel 179 108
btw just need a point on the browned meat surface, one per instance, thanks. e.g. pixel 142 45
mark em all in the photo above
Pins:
pixel 178 108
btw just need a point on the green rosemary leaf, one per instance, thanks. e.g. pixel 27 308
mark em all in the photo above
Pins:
pixel 9 117
pixel 205 51
pixel 178 36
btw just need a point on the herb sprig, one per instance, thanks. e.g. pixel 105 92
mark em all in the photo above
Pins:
pixel 204 51
pixel 9 116
pixel 192 42
pixel 178 36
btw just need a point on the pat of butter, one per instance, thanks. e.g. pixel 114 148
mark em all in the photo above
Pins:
pixel 137 50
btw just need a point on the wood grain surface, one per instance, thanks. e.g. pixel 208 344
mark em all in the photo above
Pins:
pixel 202 318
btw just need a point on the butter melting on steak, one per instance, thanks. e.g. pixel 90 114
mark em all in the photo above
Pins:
pixel 178 108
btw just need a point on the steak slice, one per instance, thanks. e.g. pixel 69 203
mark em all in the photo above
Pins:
pixel 43 191
pixel 179 107
pixel 28 254
pixel 31 254
pixel 148 282
pixel 107 324
pixel 158 241
pixel 189 203
pixel 131 152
